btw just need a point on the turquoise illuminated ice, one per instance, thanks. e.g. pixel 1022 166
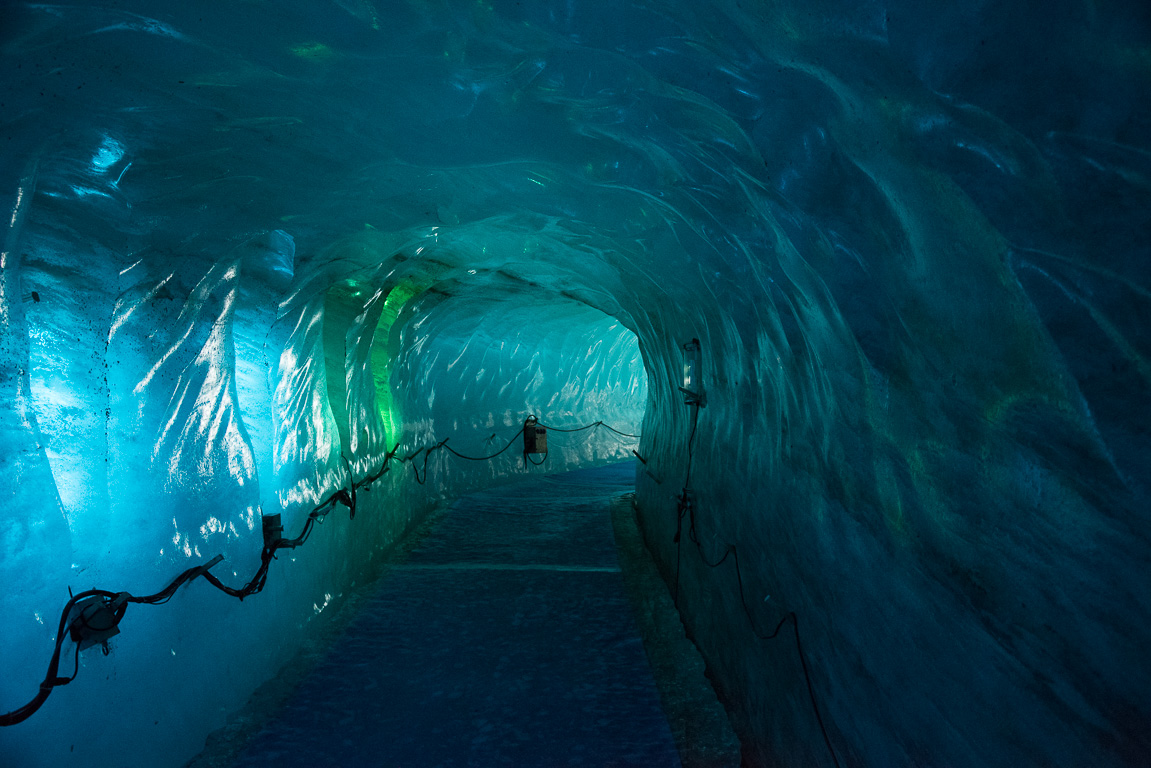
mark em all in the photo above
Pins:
pixel 911 239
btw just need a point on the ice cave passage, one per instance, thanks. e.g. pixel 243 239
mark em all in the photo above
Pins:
pixel 250 248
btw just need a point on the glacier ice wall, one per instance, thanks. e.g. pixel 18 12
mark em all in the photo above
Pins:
pixel 912 239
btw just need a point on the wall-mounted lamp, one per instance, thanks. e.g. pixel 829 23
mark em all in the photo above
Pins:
pixel 692 367
pixel 273 530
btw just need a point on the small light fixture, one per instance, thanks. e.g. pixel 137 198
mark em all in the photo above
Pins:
pixel 692 367
pixel 535 440
pixel 535 436
pixel 95 619
pixel 273 530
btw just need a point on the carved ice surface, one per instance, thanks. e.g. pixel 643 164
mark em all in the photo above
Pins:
pixel 242 239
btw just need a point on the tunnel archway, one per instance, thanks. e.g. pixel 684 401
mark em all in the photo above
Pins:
pixel 910 239
pixel 434 345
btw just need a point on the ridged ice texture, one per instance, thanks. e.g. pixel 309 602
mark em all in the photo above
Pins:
pixel 474 371
pixel 911 238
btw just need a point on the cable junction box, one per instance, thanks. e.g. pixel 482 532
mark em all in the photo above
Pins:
pixel 535 436
pixel 93 620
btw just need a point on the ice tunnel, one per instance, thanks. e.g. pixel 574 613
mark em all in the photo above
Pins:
pixel 250 248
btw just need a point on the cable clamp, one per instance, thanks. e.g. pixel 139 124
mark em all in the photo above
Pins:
pixel 200 571
pixel 349 498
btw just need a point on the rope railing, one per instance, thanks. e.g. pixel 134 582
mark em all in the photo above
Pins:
pixel 686 508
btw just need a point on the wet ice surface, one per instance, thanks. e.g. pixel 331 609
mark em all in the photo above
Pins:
pixel 506 639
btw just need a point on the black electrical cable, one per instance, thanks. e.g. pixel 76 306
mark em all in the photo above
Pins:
pixel 589 426
pixel 572 429
pixel 426 450
pixel 511 442
pixel 685 501
pixel 427 455
pixel 367 481
pixel 76 667
pixel 610 428
pixel 166 593
pixel 51 680
pixel 686 507
pixel 733 552
pixel 798 647
pixel 726 554
pixel 690 445
pixel 443 444
pixel 622 437
pixel 118 602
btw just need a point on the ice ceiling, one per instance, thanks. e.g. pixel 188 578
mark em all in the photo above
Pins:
pixel 913 240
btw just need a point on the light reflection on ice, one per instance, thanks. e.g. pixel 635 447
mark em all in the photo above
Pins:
pixel 108 154
pixel 647 205
pixel 87 192
pixel 213 525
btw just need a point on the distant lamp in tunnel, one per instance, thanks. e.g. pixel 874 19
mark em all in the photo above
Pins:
pixel 535 436
pixel 535 440
pixel 692 366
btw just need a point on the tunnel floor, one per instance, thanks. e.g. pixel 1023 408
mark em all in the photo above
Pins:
pixel 506 638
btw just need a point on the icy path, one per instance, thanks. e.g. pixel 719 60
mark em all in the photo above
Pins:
pixel 506 639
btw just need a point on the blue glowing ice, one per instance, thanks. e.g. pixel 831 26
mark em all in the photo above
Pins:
pixel 240 242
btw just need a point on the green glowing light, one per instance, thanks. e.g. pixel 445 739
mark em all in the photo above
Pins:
pixel 385 347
